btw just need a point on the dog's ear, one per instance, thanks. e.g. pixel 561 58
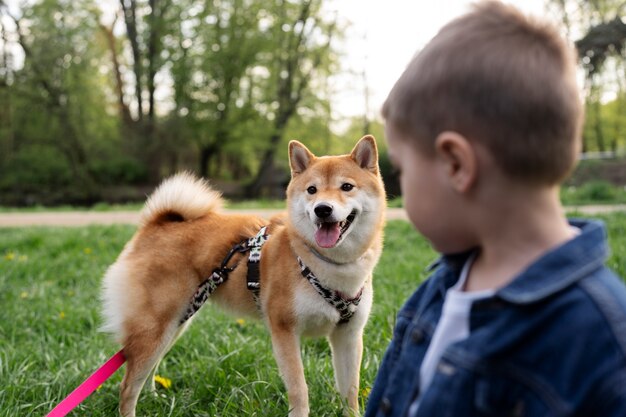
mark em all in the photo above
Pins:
pixel 365 154
pixel 299 157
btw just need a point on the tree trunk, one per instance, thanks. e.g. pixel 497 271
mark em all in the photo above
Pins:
pixel 255 189
pixel 152 55
pixel 289 89
pixel 597 126
pixel 6 118
pixel 130 17
pixel 57 102
pixel 207 153
pixel 119 83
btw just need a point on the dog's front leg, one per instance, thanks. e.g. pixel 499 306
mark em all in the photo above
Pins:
pixel 286 345
pixel 346 343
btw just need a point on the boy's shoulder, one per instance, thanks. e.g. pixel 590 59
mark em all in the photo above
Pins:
pixel 604 298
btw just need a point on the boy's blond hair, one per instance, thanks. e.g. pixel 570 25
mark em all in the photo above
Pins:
pixel 498 78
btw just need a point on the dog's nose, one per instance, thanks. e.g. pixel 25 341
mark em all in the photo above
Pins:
pixel 323 210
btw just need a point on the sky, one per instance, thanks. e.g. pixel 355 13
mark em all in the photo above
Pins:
pixel 381 40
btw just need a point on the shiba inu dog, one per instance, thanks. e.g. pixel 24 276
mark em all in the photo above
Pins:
pixel 306 273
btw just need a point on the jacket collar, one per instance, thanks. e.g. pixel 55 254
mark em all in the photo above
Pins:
pixel 554 271
pixel 561 267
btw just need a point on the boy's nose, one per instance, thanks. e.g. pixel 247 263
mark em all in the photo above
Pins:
pixel 323 210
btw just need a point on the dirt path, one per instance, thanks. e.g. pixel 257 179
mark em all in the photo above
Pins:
pixel 83 218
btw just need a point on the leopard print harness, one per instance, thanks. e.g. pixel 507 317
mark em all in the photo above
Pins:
pixel 344 305
pixel 220 274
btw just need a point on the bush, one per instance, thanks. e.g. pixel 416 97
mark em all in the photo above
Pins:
pixel 34 175
pixel 593 192
pixel 118 170
pixel 598 191
pixel 35 167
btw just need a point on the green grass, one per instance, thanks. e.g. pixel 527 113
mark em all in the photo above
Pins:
pixel 49 284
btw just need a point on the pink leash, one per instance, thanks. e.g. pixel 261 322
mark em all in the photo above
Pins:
pixel 90 385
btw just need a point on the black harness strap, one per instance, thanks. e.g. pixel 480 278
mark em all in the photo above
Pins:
pixel 220 274
pixel 345 306
pixel 253 275
pixel 208 286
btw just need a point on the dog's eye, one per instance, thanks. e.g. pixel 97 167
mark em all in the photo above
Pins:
pixel 311 190
pixel 347 187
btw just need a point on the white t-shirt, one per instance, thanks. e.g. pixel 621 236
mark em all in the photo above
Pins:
pixel 453 326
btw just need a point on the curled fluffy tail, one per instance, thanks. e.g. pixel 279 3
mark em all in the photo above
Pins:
pixel 180 197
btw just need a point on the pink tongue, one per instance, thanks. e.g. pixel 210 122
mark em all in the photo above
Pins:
pixel 328 235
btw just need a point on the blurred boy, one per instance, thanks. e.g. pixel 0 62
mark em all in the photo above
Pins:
pixel 520 317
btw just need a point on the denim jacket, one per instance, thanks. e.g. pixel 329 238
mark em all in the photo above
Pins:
pixel 550 343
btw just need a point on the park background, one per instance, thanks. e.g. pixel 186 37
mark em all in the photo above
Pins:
pixel 99 100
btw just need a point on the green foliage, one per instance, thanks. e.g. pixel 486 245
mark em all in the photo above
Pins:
pixel 599 34
pixel 57 117
pixel 594 192
pixel 598 191
pixel 49 168
pixel 395 202
pixel 605 125
pixel 188 85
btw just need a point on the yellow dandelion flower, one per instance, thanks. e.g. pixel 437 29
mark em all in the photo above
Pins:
pixel 99 387
pixel 23 295
pixel 241 322
pixel 365 392
pixel 165 382
pixel 87 251
pixel 9 256
pixel 62 315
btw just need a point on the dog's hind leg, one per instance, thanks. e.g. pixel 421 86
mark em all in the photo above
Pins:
pixel 143 350
pixel 179 332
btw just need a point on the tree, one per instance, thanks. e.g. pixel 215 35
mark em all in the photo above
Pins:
pixel 216 49
pixel 302 52
pixel 147 23
pixel 163 85
pixel 56 100
pixel 601 44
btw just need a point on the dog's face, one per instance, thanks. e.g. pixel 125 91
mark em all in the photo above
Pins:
pixel 335 202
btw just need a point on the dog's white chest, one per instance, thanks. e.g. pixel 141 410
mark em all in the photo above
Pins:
pixel 316 318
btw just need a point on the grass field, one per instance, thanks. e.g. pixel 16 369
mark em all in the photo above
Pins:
pixel 49 282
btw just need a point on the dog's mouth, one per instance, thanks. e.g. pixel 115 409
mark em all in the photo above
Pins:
pixel 328 234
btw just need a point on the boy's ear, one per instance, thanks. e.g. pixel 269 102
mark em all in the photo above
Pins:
pixel 365 154
pixel 460 159
pixel 299 157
